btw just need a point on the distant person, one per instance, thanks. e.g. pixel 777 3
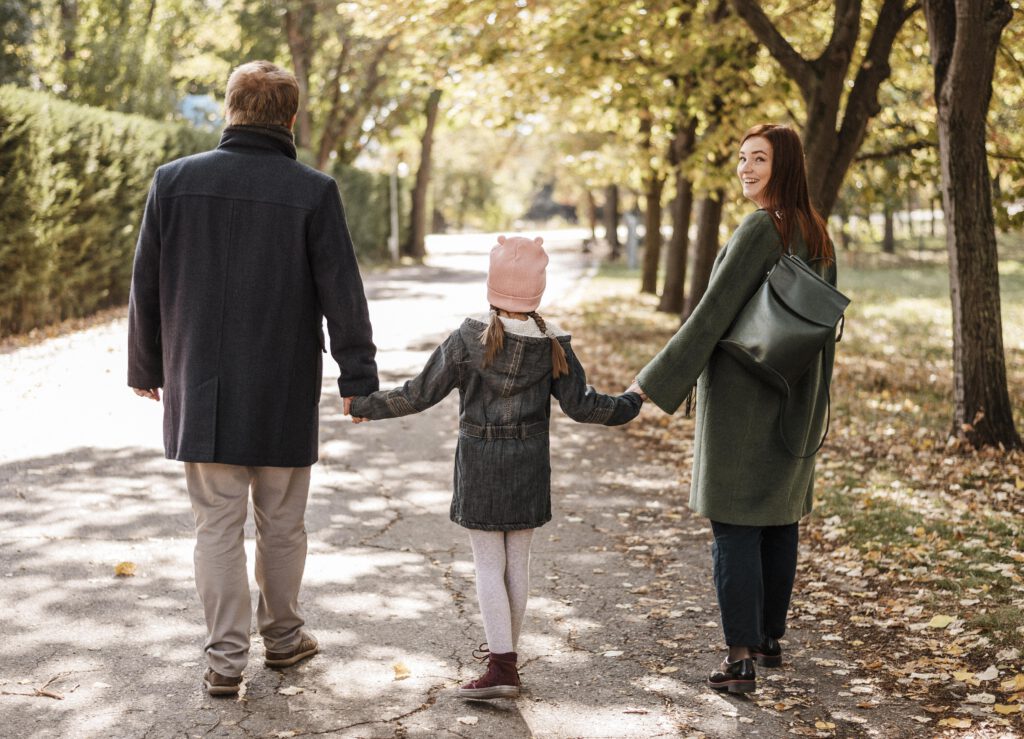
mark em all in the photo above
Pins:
pixel 241 254
pixel 754 490
pixel 506 364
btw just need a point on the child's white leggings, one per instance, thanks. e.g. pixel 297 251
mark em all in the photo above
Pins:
pixel 502 583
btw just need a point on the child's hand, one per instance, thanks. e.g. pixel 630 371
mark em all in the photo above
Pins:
pixel 347 409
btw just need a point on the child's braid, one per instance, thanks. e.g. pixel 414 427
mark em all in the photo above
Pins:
pixel 492 337
pixel 559 364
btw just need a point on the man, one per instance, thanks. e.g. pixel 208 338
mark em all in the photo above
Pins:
pixel 241 254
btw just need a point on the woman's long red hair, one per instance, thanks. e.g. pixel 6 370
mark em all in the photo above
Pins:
pixel 786 195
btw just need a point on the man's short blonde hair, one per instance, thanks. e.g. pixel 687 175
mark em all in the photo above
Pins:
pixel 261 93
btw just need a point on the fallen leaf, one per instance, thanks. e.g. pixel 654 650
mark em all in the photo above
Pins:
pixel 613 653
pixel 668 670
pixel 124 569
pixel 941 622
pixel 921 719
pixel 990 674
pixel 1013 684
pixel 983 698
pixel 1007 710
pixel 824 725
pixel 956 723
pixel 401 671
pixel 291 690
pixel 1008 655
pixel 468 720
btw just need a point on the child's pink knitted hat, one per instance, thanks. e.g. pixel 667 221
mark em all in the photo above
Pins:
pixel 516 280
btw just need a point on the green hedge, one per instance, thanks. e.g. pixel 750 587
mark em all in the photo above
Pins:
pixel 367 199
pixel 73 182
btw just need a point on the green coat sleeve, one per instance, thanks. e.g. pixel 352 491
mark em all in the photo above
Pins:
pixel 738 271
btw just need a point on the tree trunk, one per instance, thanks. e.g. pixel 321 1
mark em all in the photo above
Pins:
pixel 68 28
pixel 611 220
pixel 591 217
pixel 888 234
pixel 709 217
pixel 674 290
pixel 298 26
pixel 672 294
pixel 416 245
pixel 652 234
pixel 964 37
pixel 911 206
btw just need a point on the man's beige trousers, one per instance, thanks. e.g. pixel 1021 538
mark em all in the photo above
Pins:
pixel 220 497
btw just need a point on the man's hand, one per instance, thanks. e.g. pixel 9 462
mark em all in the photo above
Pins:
pixel 151 393
pixel 347 410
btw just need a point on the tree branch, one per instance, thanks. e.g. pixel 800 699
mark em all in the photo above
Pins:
pixel 845 29
pixel 798 68
pixel 862 104
pixel 896 150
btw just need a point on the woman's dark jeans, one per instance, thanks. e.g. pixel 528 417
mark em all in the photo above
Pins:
pixel 754 570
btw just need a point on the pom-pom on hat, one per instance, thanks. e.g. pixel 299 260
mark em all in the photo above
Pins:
pixel 516 278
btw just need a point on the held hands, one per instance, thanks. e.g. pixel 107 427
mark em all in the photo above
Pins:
pixel 635 388
pixel 347 410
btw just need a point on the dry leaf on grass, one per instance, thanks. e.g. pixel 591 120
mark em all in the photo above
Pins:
pixel 124 569
pixel 290 690
pixel 985 699
pixel 401 671
pixel 1013 684
pixel 990 674
pixel 956 723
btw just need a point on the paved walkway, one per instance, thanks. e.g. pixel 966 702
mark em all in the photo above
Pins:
pixel 620 627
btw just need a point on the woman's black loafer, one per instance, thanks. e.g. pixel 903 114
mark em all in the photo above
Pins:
pixel 768 653
pixel 734 677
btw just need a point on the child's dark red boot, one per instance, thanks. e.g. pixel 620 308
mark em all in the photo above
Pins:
pixel 500 681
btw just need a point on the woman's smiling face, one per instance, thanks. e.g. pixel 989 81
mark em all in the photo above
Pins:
pixel 755 168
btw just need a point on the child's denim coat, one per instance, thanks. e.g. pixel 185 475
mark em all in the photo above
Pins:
pixel 502 462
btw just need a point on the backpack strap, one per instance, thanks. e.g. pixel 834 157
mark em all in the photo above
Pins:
pixel 828 417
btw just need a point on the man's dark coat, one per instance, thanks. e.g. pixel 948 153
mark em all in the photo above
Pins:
pixel 242 252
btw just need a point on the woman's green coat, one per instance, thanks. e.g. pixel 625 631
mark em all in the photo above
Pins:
pixel 742 473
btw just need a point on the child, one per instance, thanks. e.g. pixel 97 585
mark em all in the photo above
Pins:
pixel 506 366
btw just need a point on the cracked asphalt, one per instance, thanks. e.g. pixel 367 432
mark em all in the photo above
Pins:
pixel 608 649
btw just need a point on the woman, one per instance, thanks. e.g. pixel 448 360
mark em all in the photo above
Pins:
pixel 754 491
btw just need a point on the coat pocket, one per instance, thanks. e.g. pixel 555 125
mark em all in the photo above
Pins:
pixel 197 421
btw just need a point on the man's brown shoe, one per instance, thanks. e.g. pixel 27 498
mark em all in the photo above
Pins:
pixel 307 648
pixel 217 684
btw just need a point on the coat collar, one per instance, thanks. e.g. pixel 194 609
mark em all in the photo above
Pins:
pixel 266 138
